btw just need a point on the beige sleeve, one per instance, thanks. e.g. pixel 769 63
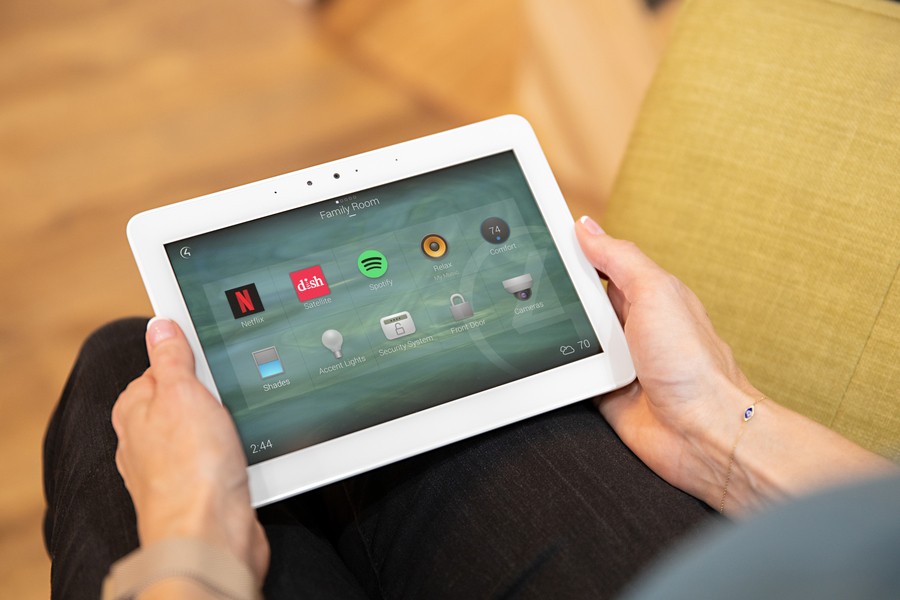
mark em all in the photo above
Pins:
pixel 214 567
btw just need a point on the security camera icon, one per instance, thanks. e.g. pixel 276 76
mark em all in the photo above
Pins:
pixel 520 286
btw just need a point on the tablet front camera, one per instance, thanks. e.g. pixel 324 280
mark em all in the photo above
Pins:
pixel 309 183
pixel 337 175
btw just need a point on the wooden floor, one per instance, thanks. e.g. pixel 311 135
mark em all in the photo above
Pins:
pixel 110 108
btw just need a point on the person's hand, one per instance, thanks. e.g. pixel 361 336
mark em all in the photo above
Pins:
pixel 180 456
pixel 683 415
pixel 680 416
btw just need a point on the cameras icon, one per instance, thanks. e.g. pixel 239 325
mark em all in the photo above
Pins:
pixel 520 286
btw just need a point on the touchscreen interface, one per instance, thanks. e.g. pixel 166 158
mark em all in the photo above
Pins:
pixel 334 317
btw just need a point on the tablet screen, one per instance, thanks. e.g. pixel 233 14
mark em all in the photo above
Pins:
pixel 353 311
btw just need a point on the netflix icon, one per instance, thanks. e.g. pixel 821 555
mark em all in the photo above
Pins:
pixel 244 300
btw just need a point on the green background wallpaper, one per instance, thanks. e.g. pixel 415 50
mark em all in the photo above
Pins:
pixel 320 397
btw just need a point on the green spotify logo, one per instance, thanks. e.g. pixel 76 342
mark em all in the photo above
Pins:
pixel 372 264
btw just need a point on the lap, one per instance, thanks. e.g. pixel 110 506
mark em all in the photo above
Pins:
pixel 555 504
pixel 552 505
pixel 90 521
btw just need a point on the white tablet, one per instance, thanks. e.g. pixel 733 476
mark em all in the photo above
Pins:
pixel 362 311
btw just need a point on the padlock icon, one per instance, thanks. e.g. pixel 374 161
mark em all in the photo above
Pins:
pixel 460 308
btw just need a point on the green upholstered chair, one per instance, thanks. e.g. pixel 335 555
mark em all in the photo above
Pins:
pixel 764 171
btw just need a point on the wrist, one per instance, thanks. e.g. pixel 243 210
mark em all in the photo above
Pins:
pixel 196 514
pixel 715 442
pixel 768 459
pixel 778 454
pixel 209 514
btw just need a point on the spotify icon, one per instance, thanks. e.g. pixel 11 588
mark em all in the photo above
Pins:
pixel 372 263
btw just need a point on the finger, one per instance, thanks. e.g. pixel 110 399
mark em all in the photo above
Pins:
pixel 138 392
pixel 148 375
pixel 120 463
pixel 615 404
pixel 694 305
pixel 170 355
pixel 622 261
pixel 620 303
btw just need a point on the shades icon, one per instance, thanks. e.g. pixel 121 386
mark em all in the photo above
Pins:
pixel 268 362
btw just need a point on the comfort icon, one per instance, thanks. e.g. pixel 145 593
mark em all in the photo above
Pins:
pixel 460 308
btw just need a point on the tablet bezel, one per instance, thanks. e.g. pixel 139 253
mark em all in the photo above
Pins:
pixel 342 457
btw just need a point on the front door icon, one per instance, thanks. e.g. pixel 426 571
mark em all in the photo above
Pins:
pixel 460 308
pixel 398 325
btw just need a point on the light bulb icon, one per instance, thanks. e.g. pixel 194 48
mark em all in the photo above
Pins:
pixel 333 340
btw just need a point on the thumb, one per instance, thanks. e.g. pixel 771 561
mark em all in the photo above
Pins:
pixel 170 354
pixel 621 261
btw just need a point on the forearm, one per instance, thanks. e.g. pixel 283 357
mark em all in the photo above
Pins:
pixel 782 454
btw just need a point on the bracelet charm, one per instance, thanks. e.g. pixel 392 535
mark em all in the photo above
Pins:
pixel 748 414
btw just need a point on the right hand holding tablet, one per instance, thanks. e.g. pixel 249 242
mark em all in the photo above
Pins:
pixel 679 417
pixel 682 416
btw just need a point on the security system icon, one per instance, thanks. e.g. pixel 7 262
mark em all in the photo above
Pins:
pixel 398 325
pixel 434 246
pixel 495 230
pixel 520 286
pixel 372 263
pixel 460 308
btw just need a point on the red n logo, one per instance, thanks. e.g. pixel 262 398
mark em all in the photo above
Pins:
pixel 244 300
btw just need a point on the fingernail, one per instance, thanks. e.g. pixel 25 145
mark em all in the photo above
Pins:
pixel 159 329
pixel 591 225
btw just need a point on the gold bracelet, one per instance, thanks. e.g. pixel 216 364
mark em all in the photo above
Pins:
pixel 748 414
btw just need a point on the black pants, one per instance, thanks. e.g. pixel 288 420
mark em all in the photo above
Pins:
pixel 553 506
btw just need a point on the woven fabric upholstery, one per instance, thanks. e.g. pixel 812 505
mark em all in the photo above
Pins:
pixel 765 172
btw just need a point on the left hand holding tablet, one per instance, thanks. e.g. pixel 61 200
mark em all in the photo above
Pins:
pixel 180 456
